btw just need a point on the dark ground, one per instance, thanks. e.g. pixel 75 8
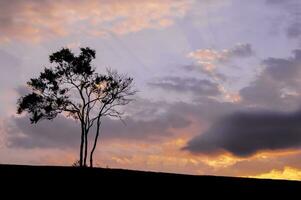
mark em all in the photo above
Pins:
pixel 118 179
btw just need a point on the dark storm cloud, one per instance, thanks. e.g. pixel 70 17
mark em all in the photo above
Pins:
pixel 245 133
pixel 198 87
pixel 276 84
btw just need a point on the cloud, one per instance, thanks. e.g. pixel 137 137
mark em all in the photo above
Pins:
pixel 208 58
pixel 145 121
pixel 292 16
pixel 294 30
pixel 198 87
pixel 261 163
pixel 245 133
pixel 154 129
pixel 278 85
pixel 241 50
pixel 65 133
pixel 59 133
pixel 40 20
pixel 287 173
pixel 286 71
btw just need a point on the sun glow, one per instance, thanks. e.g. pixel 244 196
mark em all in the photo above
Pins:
pixel 287 173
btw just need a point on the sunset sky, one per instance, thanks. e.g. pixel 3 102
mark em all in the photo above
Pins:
pixel 219 83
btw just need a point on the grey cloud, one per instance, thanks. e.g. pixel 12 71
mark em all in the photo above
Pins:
pixel 241 50
pixel 59 133
pixel 194 68
pixel 275 85
pixel 64 133
pixel 245 133
pixel 143 130
pixel 292 9
pixel 281 1
pixel 285 70
pixel 294 30
pixel 198 87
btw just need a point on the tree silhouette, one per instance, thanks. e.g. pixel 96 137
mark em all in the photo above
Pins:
pixel 71 87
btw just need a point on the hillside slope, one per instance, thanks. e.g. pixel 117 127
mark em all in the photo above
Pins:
pixel 119 178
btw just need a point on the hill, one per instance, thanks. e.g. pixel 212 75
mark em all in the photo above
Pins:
pixel 120 178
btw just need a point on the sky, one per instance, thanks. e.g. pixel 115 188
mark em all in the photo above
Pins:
pixel 218 80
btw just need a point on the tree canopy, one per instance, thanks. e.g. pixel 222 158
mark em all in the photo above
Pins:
pixel 72 87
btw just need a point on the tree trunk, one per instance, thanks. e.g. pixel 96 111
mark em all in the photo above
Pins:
pixel 81 148
pixel 95 142
pixel 86 148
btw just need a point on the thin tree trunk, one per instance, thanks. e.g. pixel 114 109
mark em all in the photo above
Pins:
pixel 81 148
pixel 86 148
pixel 95 142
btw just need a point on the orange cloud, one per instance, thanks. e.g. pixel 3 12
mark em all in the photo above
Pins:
pixel 209 58
pixel 165 156
pixel 38 20
pixel 287 173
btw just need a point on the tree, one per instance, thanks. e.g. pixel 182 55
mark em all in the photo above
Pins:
pixel 72 87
